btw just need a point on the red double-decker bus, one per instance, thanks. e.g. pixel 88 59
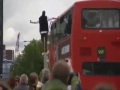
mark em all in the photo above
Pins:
pixel 89 34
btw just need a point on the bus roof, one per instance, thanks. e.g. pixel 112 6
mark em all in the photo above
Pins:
pixel 81 1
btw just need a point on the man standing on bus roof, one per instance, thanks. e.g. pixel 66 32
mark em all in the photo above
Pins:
pixel 43 28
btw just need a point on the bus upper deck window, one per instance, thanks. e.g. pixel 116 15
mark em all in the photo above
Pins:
pixel 101 18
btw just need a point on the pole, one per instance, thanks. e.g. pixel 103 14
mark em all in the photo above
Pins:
pixel 34 56
pixel 45 60
pixel 45 56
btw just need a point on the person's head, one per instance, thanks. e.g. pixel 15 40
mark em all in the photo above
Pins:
pixel 68 61
pixel 43 13
pixel 61 71
pixel 24 79
pixel 17 78
pixel 33 78
pixel 92 15
pixel 45 75
pixel 12 82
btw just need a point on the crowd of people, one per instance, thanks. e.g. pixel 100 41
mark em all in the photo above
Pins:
pixel 22 83
pixel 61 77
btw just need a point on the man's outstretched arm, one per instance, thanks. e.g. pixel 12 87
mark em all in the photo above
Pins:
pixel 34 22
pixel 51 18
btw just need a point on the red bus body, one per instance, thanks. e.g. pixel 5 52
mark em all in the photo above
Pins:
pixel 85 43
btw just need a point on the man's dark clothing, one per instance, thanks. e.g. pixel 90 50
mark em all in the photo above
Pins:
pixel 21 87
pixel 44 36
pixel 43 30
pixel 43 23
pixel 32 87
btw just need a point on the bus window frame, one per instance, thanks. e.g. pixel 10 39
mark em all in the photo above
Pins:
pixel 94 74
pixel 57 24
pixel 85 28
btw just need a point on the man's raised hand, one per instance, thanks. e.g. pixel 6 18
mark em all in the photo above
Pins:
pixel 30 21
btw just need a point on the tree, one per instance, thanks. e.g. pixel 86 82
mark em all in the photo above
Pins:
pixel 31 59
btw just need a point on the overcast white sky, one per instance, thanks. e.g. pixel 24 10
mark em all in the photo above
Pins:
pixel 17 15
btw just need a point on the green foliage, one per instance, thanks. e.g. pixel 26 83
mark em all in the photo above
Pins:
pixel 31 59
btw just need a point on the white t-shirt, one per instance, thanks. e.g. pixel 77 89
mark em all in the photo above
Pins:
pixel 42 32
pixel 69 87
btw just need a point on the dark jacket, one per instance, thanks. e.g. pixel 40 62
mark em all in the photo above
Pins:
pixel 31 87
pixel 21 87
pixel 43 23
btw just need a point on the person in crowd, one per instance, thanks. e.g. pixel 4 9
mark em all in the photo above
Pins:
pixel 12 82
pixel 60 75
pixel 17 78
pixel 69 82
pixel 73 82
pixel 45 75
pixel 39 85
pixel 34 82
pixel 23 83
